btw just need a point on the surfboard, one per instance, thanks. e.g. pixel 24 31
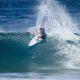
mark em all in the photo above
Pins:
pixel 34 41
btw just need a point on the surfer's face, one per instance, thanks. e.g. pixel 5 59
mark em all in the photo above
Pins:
pixel 41 29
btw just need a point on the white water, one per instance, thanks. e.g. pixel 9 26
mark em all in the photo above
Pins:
pixel 59 24
pixel 39 76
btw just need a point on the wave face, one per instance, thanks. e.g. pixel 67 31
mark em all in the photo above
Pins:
pixel 16 56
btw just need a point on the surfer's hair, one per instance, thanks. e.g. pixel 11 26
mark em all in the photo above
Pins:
pixel 41 28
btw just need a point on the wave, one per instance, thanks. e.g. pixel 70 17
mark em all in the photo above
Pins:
pixel 52 54
pixel 60 51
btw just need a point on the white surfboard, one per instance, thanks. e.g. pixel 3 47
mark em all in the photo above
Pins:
pixel 34 41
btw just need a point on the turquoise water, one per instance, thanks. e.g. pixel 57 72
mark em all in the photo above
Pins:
pixel 16 56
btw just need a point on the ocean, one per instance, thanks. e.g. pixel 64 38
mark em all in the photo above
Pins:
pixel 57 58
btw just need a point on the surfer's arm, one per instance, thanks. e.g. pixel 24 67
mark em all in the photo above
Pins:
pixel 39 36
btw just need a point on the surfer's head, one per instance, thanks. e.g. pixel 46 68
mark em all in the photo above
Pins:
pixel 41 29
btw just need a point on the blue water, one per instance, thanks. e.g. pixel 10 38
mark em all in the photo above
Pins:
pixel 21 14
pixel 56 58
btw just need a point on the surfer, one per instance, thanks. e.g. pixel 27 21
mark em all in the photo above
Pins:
pixel 41 34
